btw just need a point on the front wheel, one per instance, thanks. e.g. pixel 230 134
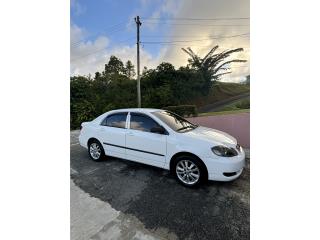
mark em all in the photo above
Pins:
pixel 189 171
pixel 95 150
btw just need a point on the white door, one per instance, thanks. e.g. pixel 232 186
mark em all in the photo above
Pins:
pixel 141 144
pixel 113 134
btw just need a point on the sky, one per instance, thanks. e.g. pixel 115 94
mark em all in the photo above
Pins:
pixel 101 28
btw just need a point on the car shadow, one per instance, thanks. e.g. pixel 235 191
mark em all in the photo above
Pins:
pixel 213 210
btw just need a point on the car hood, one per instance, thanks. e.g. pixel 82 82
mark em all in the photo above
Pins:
pixel 211 135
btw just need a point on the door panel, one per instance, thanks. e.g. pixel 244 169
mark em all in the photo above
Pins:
pixel 114 141
pixel 113 134
pixel 146 147
pixel 141 144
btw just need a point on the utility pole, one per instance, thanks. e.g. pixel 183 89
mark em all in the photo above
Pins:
pixel 137 20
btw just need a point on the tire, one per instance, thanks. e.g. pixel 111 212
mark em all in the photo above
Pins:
pixel 189 171
pixel 95 150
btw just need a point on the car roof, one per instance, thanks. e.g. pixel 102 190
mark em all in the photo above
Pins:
pixel 143 110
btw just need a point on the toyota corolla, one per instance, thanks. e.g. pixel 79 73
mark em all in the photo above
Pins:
pixel 163 139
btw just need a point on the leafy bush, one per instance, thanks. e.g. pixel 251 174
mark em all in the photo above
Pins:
pixel 83 112
pixel 183 110
pixel 244 104
pixel 114 88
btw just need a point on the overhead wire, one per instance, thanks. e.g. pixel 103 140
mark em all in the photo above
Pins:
pixel 98 50
pixel 197 40
pixel 205 25
pixel 194 19
pixel 110 30
pixel 116 28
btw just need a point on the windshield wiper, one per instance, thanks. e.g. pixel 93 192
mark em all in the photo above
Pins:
pixel 190 126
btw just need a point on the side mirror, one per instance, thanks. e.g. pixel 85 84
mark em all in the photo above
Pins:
pixel 158 129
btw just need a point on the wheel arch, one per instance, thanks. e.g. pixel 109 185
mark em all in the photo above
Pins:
pixel 92 139
pixel 185 153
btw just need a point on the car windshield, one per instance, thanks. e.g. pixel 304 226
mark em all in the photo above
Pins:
pixel 174 121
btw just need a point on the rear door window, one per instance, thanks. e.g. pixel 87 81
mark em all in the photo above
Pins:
pixel 117 120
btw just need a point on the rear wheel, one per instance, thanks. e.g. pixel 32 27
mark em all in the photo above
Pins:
pixel 189 171
pixel 95 150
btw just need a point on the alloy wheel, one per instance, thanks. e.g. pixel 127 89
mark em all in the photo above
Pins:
pixel 95 151
pixel 188 172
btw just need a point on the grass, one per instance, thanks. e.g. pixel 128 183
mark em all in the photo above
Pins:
pixel 224 112
pixel 240 104
pixel 222 91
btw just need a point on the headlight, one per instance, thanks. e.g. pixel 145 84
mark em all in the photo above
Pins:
pixel 224 151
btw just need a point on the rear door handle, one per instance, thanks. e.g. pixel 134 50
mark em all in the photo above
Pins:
pixel 130 134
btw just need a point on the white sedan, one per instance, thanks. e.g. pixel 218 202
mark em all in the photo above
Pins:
pixel 163 139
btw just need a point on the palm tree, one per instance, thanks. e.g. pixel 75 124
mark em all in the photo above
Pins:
pixel 213 64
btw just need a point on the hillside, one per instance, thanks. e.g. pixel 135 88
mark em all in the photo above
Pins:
pixel 222 92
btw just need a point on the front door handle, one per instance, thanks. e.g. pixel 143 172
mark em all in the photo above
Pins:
pixel 130 134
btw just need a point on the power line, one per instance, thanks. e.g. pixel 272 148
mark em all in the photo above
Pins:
pixel 200 46
pixel 181 44
pixel 113 29
pixel 184 45
pixel 245 50
pixel 199 24
pixel 109 34
pixel 98 50
pixel 197 40
pixel 195 19
pixel 179 36
pixel 108 28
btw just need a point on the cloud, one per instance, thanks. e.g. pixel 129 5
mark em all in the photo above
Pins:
pixel 168 8
pixel 204 30
pixel 102 49
pixel 85 56
pixel 88 57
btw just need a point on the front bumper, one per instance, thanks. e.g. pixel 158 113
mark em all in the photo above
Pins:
pixel 225 168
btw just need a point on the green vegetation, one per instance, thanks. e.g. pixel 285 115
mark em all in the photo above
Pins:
pixel 115 87
pixel 212 63
pixel 244 104
pixel 224 112
pixel 240 104
pixel 183 110
pixel 221 91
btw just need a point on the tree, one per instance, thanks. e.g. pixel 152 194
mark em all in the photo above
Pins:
pixel 129 70
pixel 247 81
pixel 213 65
pixel 144 70
pixel 114 66
pixel 160 87
pixel 81 107
pixel 97 75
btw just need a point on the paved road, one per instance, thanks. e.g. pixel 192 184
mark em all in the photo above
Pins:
pixel 159 205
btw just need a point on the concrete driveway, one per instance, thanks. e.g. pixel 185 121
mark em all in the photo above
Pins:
pixel 118 199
